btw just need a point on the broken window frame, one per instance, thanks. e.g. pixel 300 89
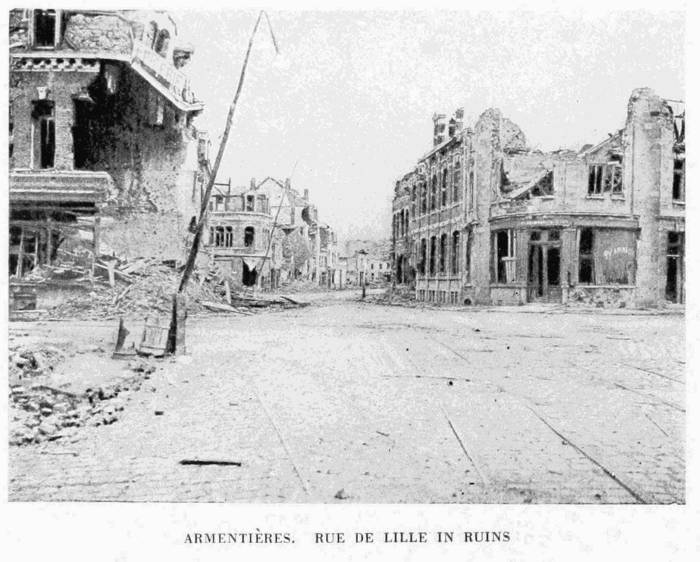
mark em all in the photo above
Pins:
pixel 503 263
pixel 249 237
pixel 250 203
pixel 678 187
pixel 48 38
pixel 161 43
pixel 605 178
pixel 43 133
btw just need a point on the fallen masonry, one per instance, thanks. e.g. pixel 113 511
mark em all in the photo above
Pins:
pixel 40 412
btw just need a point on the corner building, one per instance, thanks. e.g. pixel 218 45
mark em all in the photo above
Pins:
pixel 483 219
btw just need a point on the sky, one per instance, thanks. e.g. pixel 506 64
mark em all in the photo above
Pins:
pixel 346 107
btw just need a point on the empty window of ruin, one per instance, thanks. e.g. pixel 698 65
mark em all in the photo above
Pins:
pixel 219 236
pixel 443 189
pixel 607 256
pixel 433 192
pixel 433 249
pixel 503 256
pixel 150 34
pixel 249 236
pixel 455 252
pixel 250 203
pixel 162 42
pixel 423 197
pixel 44 132
pixel 423 251
pixel 545 186
pixel 45 28
pixel 457 180
pixel 228 237
pixel 604 178
pixel 679 179
pixel 585 256
pixel 443 253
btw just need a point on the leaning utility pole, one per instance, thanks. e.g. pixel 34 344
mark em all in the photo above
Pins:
pixel 191 259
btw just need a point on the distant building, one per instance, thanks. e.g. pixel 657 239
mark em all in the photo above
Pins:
pixel 368 261
pixel 484 219
pixel 266 235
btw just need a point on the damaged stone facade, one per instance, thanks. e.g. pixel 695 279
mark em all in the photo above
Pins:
pixel 267 234
pixel 103 153
pixel 483 219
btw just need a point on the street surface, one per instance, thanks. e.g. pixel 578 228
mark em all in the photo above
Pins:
pixel 353 402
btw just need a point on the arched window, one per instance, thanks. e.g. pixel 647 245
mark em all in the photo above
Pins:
pixel 455 252
pixel 162 42
pixel 249 237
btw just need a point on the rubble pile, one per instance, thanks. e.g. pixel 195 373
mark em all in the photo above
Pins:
pixel 120 287
pixel 26 362
pixel 43 413
pixel 396 298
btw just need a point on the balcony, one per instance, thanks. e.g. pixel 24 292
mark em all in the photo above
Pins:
pixel 54 186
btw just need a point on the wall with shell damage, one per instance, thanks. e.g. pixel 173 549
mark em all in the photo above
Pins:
pixel 149 149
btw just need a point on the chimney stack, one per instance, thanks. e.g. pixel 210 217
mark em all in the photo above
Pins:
pixel 439 124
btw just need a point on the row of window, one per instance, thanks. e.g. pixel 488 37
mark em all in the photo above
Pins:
pixel 247 203
pixel 400 224
pixel 435 252
pixel 442 188
pixel 223 236
pixel 606 256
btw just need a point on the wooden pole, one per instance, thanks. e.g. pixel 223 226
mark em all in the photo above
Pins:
pixel 191 259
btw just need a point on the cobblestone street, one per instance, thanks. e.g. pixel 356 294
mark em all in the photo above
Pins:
pixel 352 402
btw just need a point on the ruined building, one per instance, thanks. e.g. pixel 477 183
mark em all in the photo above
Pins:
pixel 484 219
pixel 267 234
pixel 103 155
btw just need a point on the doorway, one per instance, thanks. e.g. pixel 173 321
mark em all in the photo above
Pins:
pixel 250 276
pixel 544 266
pixel 675 268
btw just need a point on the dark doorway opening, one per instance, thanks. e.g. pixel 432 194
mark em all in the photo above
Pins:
pixel 544 266
pixel 675 274
pixel 250 276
